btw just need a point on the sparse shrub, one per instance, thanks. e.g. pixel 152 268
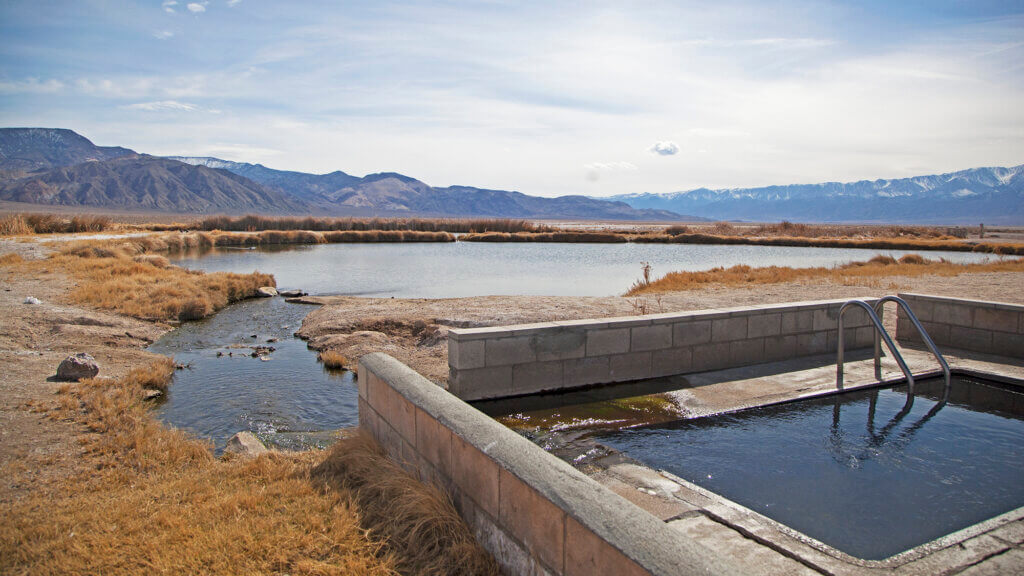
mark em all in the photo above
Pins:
pixel 913 259
pixel 723 229
pixel 883 260
pixel 10 259
pixel 333 359
pixel 194 309
pixel 14 225
pixel 677 229
pixel 153 260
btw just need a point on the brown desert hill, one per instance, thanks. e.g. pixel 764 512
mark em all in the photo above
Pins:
pixel 148 183
pixel 24 150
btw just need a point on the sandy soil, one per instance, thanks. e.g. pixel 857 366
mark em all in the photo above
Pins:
pixel 414 330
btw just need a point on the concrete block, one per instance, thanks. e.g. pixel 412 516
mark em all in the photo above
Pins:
pixel 761 325
pixel 813 343
pixel 632 366
pixel 726 329
pixel 970 338
pixel 476 475
pixel 434 442
pixel 560 344
pixel 712 356
pixel 797 321
pixel 532 519
pixel 1011 345
pixel 996 319
pixel 536 376
pixel 923 309
pixel 691 332
pixel 361 384
pixel 672 361
pixel 582 371
pixel 779 348
pixel 939 332
pixel 863 337
pixel 953 313
pixel 607 341
pixel 744 352
pixel 401 415
pixel 828 318
pixel 464 355
pixel 481 382
pixel 508 351
pixel 655 337
pixel 586 554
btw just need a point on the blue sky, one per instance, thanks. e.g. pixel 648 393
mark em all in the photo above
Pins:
pixel 546 98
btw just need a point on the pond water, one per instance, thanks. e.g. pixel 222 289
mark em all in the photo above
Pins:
pixel 455 269
pixel 290 400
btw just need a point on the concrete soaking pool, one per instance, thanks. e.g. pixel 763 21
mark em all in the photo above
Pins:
pixel 862 471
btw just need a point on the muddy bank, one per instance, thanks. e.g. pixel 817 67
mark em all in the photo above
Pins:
pixel 415 330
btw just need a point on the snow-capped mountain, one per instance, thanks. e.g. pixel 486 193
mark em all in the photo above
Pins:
pixel 990 195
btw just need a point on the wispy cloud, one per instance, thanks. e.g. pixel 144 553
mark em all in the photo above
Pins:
pixel 169 5
pixel 163 34
pixel 233 3
pixel 31 86
pixel 610 166
pixel 196 7
pixel 167 106
pixel 667 148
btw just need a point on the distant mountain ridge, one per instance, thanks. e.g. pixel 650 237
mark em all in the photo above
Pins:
pixel 24 150
pixel 992 195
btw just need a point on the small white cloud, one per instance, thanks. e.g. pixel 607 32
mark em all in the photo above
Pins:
pixel 163 34
pixel 233 3
pixel 610 166
pixel 164 106
pixel 667 148
pixel 169 6
pixel 196 7
pixel 31 86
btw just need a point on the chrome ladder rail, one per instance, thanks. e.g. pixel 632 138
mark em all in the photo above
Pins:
pixel 879 332
pixel 901 303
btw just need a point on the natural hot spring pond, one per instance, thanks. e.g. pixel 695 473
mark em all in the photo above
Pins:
pixel 853 470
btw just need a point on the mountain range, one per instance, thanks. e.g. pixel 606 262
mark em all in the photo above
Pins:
pixel 989 195
pixel 60 167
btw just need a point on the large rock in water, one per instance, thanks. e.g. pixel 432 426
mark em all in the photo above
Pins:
pixel 266 292
pixel 245 444
pixel 76 367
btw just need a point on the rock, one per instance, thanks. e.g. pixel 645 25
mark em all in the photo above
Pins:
pixel 245 444
pixel 151 394
pixel 271 340
pixel 76 367
pixel 292 293
pixel 266 292
pixel 31 300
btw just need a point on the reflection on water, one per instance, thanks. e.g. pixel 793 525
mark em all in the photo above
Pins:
pixel 855 470
pixel 289 400
pixel 455 269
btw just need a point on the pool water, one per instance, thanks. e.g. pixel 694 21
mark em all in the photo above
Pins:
pixel 856 471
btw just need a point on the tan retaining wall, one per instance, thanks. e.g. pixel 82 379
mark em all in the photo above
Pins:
pixel 990 327
pixel 529 358
pixel 535 513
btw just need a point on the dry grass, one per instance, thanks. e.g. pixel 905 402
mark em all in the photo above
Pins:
pixel 414 519
pixel 909 243
pixel 252 223
pixel 112 276
pixel 148 499
pixel 18 224
pixel 578 237
pixel 333 359
pixel 10 259
pixel 853 273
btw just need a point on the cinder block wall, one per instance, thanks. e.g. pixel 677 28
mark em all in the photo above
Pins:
pixel 535 513
pixel 529 358
pixel 990 327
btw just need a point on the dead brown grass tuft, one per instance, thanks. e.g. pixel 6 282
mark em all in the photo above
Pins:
pixel 578 237
pixel 17 224
pixel 14 225
pixel 253 223
pixel 110 275
pixel 853 273
pixel 10 259
pixel 333 359
pixel 416 519
pixel 147 499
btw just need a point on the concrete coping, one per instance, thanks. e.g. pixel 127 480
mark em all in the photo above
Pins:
pixel 639 536
pixel 466 334
pixel 964 301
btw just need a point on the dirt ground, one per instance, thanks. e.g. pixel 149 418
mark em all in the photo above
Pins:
pixel 34 338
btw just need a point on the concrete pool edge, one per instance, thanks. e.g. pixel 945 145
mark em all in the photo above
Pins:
pixel 535 513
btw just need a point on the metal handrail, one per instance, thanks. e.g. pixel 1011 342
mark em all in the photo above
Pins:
pixel 901 303
pixel 879 331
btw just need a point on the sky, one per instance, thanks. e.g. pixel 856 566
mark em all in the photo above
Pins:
pixel 547 98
